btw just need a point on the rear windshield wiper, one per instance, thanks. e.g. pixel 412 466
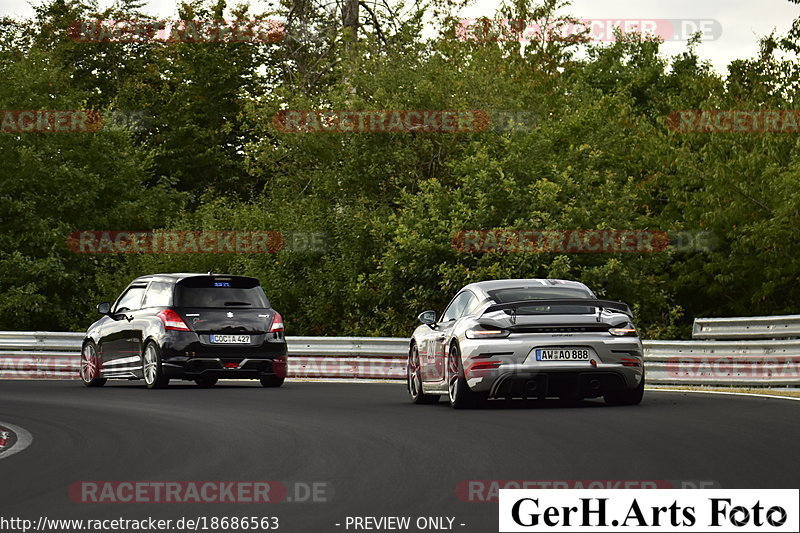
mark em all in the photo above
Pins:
pixel 238 303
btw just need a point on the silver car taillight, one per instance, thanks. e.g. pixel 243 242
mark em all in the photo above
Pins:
pixel 486 332
pixel 623 331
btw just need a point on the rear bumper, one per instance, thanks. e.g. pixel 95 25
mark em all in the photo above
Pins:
pixel 584 383
pixel 226 368
pixel 187 355
pixel 616 363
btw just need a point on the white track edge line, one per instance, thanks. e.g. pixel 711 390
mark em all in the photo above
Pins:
pixel 24 439
pixel 797 399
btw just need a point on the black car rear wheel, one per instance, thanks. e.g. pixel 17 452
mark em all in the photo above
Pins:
pixel 271 381
pixel 151 367
pixel 414 379
pixel 91 366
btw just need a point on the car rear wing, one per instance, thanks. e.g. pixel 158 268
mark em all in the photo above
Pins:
pixel 576 302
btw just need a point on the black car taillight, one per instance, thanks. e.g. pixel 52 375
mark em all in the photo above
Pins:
pixel 172 320
pixel 277 323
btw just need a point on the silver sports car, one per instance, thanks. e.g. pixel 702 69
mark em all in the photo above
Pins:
pixel 526 338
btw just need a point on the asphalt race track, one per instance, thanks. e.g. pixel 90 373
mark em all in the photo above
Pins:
pixel 374 452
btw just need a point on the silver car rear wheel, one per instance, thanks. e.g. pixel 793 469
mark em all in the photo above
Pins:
pixel 461 396
pixel 626 397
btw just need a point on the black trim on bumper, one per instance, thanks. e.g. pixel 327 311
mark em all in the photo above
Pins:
pixel 588 384
pixel 223 368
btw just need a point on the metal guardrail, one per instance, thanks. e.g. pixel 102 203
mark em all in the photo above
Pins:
pixel 41 354
pixel 742 363
pixel 347 357
pixel 698 362
pixel 45 341
pixel 752 327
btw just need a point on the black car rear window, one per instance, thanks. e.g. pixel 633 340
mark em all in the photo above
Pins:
pixel 227 292
pixel 520 294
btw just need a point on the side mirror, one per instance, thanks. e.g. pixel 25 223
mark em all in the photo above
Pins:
pixel 104 308
pixel 428 318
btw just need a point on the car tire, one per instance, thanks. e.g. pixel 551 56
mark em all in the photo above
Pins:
pixel 626 397
pixel 90 366
pixel 205 382
pixel 459 393
pixel 152 370
pixel 271 381
pixel 414 379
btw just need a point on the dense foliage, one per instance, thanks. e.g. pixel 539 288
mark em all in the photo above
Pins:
pixel 594 151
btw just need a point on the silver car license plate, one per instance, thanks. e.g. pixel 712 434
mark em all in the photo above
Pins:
pixel 563 354
pixel 230 339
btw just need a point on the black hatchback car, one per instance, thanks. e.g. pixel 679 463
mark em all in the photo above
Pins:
pixel 199 327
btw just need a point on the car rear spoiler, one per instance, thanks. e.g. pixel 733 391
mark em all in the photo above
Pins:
pixel 576 302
